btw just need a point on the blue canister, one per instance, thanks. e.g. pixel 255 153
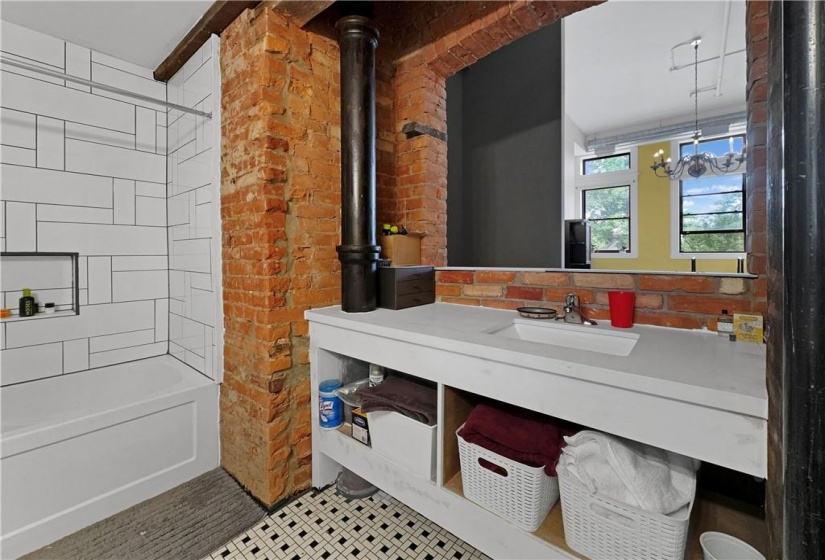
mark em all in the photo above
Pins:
pixel 332 412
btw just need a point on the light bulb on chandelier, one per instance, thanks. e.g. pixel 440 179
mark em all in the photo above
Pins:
pixel 698 163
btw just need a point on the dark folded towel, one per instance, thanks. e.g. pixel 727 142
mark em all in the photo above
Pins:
pixel 399 395
pixel 521 435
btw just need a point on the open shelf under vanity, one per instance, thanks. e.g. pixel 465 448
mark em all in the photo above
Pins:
pixel 345 355
pixel 711 511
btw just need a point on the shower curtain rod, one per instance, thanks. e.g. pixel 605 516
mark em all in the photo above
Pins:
pixel 104 87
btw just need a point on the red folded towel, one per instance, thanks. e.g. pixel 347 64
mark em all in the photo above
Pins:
pixel 518 434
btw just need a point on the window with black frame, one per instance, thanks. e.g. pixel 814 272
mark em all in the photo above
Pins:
pixel 608 211
pixel 712 208
pixel 606 164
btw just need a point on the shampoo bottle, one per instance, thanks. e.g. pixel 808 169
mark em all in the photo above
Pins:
pixel 27 307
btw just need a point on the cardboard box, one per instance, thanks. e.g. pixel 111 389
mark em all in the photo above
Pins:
pixel 402 249
pixel 405 441
pixel 360 426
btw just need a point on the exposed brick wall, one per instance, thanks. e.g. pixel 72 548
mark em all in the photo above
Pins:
pixel 756 34
pixel 681 301
pixel 280 206
pixel 386 210
pixel 424 22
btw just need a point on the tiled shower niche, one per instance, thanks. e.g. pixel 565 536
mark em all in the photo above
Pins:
pixel 51 277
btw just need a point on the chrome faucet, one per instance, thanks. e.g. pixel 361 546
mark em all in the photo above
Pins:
pixel 573 313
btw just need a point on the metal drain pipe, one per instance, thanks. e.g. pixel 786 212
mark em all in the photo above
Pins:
pixel 358 252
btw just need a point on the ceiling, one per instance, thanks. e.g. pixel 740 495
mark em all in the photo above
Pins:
pixel 617 63
pixel 142 32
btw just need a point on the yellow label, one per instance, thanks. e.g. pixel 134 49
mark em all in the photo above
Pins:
pixel 748 327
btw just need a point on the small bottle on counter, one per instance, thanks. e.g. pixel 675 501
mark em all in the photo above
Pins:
pixel 724 324
pixel 376 375
pixel 27 306
pixel 48 308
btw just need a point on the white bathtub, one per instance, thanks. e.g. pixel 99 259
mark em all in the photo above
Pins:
pixel 77 448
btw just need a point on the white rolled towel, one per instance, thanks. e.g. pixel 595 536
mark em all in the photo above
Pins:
pixel 636 474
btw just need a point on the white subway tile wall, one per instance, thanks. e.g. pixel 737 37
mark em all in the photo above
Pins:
pixel 100 280
pixel 82 171
pixel 75 355
pixel 32 362
pixel 194 242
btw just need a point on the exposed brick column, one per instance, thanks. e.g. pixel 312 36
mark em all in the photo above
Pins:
pixel 421 161
pixel 756 33
pixel 386 199
pixel 756 38
pixel 280 199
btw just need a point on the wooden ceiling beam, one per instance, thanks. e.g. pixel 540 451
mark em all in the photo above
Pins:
pixel 301 11
pixel 215 20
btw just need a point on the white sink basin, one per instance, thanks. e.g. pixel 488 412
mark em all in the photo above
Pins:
pixel 556 333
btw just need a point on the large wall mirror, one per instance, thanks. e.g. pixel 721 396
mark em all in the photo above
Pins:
pixel 561 127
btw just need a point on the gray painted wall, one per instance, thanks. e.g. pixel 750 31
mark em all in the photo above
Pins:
pixel 504 156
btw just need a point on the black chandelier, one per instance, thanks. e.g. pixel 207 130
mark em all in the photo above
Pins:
pixel 698 163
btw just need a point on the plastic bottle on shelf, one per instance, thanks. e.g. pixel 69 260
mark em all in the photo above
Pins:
pixel 27 305
pixel 376 375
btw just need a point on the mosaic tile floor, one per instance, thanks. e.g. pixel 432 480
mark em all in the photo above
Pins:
pixel 324 525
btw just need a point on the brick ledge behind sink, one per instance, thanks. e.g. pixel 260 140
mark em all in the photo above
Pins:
pixel 669 300
pixel 600 271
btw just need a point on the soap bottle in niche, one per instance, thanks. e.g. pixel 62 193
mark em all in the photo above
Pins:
pixel 724 324
pixel 27 306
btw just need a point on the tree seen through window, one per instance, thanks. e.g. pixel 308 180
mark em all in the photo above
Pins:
pixel 608 210
pixel 712 213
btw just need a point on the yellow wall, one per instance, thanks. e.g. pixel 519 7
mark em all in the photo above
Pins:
pixel 654 225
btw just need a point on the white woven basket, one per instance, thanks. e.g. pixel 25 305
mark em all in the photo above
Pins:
pixel 524 496
pixel 604 529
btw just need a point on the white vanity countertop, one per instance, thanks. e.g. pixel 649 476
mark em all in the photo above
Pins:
pixel 692 366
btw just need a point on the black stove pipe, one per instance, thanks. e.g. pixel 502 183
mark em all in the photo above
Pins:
pixel 358 252
pixel 800 186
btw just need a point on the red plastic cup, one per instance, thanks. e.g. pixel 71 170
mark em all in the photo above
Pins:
pixel 622 305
